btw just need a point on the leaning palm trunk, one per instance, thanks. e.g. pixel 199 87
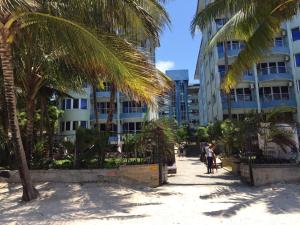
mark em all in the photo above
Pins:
pixel 29 193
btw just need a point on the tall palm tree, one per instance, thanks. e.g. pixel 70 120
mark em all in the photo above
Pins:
pixel 255 22
pixel 91 49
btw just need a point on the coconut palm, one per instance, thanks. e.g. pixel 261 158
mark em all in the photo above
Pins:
pixel 255 22
pixel 96 52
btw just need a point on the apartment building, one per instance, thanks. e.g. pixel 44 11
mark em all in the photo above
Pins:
pixel 272 82
pixel 193 105
pixel 128 117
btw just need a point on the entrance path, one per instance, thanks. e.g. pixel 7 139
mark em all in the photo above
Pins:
pixel 191 198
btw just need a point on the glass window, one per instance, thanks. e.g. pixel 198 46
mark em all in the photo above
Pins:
pixel 138 126
pixel 276 93
pixel 235 45
pixel 273 67
pixel 125 127
pixel 281 67
pixel 63 104
pixel 220 48
pixel 296 34
pixel 68 103
pixel 68 126
pixel 278 42
pixel 297 58
pixel 62 126
pixel 83 103
pixel 75 103
pixel 131 127
pixel 83 124
pixel 75 125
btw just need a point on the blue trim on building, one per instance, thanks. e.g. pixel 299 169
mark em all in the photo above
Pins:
pixel 241 105
pixel 276 103
pixel 275 76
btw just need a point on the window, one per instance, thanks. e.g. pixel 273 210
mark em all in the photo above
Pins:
pixel 273 68
pixel 68 103
pixel 296 34
pixel 220 48
pixel 281 67
pixel 297 59
pixel 68 126
pixel 62 126
pixel 131 127
pixel 83 103
pixel 75 125
pixel 83 124
pixel 235 45
pixel 63 104
pixel 278 42
pixel 75 103
pixel 276 93
pixel 134 107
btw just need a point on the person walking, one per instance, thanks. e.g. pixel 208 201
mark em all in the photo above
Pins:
pixel 209 158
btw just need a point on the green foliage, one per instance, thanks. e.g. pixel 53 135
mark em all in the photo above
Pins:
pixel 201 134
pixel 182 134
pixel 158 137
pixel 214 131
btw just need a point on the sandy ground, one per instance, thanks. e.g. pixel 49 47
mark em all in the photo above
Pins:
pixel 192 197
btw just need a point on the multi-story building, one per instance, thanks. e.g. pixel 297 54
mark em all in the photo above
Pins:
pixel 176 104
pixel 193 105
pixel 128 117
pixel 272 82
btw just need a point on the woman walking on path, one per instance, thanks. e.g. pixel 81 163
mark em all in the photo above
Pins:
pixel 209 157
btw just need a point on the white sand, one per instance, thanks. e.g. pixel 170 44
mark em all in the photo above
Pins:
pixel 192 198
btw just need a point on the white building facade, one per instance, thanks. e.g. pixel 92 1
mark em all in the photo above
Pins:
pixel 272 82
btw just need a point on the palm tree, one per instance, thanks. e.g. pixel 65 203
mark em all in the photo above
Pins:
pixel 255 22
pixel 93 50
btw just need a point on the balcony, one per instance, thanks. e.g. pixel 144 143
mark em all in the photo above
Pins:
pixel 275 100
pixel 274 73
pixel 241 105
pixel 102 94
pixel 248 76
pixel 230 53
pixel 281 50
pixel 132 115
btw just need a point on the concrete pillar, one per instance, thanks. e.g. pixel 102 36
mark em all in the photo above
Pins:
pixel 256 88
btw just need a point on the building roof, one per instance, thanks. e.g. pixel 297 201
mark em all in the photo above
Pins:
pixel 176 75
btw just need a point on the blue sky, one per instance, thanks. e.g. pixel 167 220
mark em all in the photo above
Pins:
pixel 178 49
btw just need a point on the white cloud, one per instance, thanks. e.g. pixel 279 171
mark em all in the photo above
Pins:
pixel 165 65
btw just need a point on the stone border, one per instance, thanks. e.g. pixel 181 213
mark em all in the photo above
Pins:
pixel 147 175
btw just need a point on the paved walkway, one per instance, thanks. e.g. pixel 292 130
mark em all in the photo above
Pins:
pixel 191 198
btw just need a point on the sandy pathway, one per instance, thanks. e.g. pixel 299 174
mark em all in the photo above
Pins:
pixel 192 197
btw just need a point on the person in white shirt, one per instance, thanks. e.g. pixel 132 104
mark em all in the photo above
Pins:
pixel 209 157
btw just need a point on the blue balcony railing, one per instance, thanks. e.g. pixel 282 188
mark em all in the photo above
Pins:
pixel 284 50
pixel 230 53
pixel 241 105
pixel 132 115
pixel 282 102
pixel 102 94
pixel 274 73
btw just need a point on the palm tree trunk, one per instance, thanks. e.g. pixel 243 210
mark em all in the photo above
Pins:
pixel 30 111
pixel 95 106
pixel 29 192
pixel 226 72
